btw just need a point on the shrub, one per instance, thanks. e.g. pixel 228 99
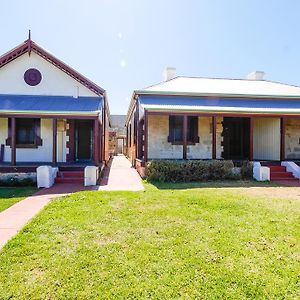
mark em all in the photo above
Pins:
pixel 247 170
pixel 192 170
pixel 14 181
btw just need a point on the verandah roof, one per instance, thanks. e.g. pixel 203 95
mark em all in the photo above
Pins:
pixel 220 105
pixel 60 105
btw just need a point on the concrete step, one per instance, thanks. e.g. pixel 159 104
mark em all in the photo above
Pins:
pixel 284 179
pixel 275 175
pixel 73 174
pixel 70 177
pixel 279 173
pixel 68 180
pixel 277 168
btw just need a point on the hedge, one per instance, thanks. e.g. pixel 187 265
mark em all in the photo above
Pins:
pixel 16 182
pixel 195 170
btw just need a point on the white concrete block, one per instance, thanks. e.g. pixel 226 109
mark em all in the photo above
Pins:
pixel 91 175
pixel 45 176
pixel 261 173
pixel 292 167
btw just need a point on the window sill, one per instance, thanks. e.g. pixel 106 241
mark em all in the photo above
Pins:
pixel 27 146
pixel 181 143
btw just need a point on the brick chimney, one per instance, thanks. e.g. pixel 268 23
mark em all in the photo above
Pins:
pixel 256 75
pixel 169 73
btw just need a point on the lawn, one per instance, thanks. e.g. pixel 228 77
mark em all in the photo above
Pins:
pixel 10 195
pixel 203 243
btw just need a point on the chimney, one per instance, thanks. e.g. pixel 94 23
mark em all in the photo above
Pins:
pixel 256 75
pixel 169 73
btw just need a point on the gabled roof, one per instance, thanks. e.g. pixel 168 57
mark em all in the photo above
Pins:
pixel 193 86
pixel 29 46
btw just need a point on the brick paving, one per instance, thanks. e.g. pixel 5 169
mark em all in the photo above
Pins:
pixel 13 219
pixel 289 183
pixel 121 176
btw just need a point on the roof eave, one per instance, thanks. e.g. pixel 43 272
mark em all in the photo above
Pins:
pixel 222 110
pixel 47 113
pixel 131 106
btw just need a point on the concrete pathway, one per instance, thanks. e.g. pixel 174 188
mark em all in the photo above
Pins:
pixel 13 219
pixel 121 176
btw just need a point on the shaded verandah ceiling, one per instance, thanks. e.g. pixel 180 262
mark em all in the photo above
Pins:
pixel 220 105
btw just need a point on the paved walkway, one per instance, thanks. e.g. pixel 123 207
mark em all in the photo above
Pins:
pixel 13 219
pixel 289 183
pixel 121 176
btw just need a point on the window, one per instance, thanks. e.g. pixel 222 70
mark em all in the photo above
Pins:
pixel 27 133
pixel 192 134
pixel 176 130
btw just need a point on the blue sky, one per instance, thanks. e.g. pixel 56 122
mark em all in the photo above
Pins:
pixel 124 45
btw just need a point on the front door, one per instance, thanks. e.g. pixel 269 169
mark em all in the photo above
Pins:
pixel 84 140
pixel 236 138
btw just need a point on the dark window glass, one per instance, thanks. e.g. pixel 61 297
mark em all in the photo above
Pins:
pixel 176 129
pixel 192 130
pixel 25 131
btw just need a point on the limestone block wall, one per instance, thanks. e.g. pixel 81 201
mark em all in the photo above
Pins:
pixel 158 145
pixel 160 148
pixel 203 149
pixel 292 139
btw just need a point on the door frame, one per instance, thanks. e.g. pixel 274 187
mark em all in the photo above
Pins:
pixel 77 124
pixel 244 123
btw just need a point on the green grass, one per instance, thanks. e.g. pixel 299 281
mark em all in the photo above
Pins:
pixel 212 184
pixel 208 243
pixel 9 195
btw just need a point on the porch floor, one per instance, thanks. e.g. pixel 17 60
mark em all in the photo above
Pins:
pixel 31 166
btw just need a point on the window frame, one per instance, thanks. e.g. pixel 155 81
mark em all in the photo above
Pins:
pixel 37 133
pixel 192 121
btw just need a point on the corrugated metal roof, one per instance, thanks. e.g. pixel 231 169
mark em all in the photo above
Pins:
pixel 216 86
pixel 226 105
pixel 49 104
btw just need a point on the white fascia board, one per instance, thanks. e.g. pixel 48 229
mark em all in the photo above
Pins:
pixel 220 109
